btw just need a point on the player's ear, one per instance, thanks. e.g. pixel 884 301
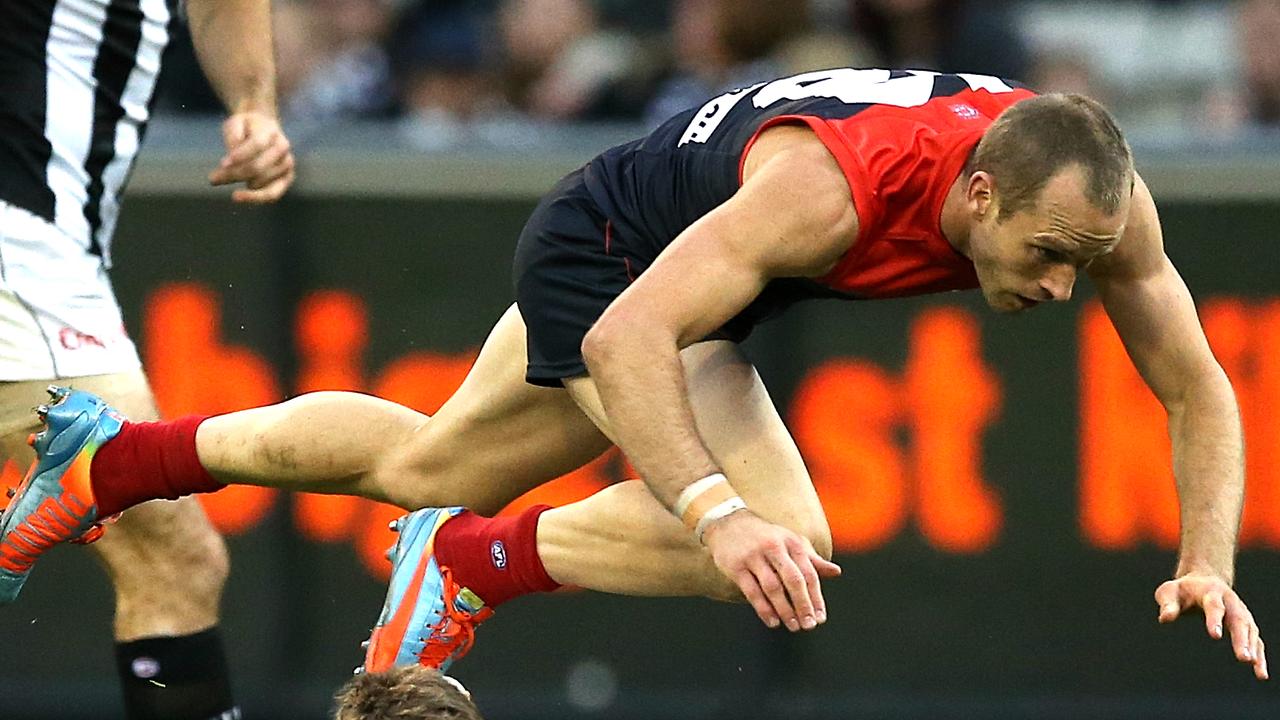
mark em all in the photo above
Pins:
pixel 980 193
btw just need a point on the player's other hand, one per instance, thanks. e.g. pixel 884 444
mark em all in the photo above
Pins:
pixel 1222 608
pixel 258 155
pixel 777 570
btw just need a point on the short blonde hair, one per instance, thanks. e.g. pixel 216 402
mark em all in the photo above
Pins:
pixel 411 692
pixel 1034 139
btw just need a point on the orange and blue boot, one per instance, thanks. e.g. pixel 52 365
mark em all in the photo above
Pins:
pixel 427 619
pixel 54 503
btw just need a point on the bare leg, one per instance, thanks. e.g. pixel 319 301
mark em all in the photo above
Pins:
pixel 497 437
pixel 622 540
pixel 166 562
pixel 493 440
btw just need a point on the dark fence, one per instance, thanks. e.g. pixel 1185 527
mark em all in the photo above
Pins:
pixel 999 488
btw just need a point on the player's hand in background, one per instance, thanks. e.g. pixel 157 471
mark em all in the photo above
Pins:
pixel 778 571
pixel 258 155
pixel 1223 609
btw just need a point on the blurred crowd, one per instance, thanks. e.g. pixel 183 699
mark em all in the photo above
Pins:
pixel 454 70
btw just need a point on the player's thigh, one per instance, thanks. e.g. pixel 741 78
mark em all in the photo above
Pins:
pixel 126 391
pixel 744 433
pixel 498 436
pixel 18 419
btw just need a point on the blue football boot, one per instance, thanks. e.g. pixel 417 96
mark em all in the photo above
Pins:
pixel 427 619
pixel 55 501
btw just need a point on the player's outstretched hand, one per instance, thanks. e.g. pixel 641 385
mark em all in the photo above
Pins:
pixel 777 570
pixel 1222 608
pixel 258 155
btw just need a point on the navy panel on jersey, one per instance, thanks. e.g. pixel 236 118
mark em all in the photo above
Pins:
pixel 660 184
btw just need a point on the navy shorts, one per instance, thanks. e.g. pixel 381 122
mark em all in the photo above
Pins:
pixel 571 262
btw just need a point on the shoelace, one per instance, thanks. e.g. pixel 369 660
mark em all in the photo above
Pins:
pixel 26 542
pixel 454 633
pixel 50 524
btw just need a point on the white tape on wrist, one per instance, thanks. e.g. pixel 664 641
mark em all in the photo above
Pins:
pixel 728 507
pixel 695 489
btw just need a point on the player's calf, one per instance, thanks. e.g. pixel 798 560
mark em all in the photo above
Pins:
pixel 319 442
pixel 168 567
pixel 166 562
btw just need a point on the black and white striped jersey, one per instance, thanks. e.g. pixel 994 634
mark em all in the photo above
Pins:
pixel 76 81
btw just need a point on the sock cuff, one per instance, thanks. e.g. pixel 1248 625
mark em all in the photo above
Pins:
pixel 537 578
pixel 174 659
pixel 496 558
pixel 184 430
pixel 180 677
pixel 149 461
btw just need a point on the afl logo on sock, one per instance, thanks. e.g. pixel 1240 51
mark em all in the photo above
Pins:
pixel 498 553
pixel 145 667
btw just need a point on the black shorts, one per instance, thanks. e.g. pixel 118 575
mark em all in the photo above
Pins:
pixel 571 262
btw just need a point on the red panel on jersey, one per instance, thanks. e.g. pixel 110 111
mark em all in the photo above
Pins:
pixel 900 163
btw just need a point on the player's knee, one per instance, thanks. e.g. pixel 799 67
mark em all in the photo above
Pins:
pixel 199 569
pixel 819 533
pixel 432 469
pixel 408 475
pixel 209 564
pixel 812 526
pixel 184 557
pixel 166 582
pixel 816 530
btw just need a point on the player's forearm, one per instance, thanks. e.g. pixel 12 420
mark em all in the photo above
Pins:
pixel 641 383
pixel 1208 460
pixel 233 42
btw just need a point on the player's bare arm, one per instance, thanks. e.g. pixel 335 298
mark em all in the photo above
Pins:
pixel 1155 316
pixel 793 216
pixel 233 42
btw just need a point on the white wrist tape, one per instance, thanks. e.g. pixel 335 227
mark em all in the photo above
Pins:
pixel 706 501
pixel 695 489
pixel 732 505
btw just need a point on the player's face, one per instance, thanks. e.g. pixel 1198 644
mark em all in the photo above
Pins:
pixel 1035 255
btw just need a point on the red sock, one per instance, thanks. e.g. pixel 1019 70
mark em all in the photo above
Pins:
pixel 497 558
pixel 149 461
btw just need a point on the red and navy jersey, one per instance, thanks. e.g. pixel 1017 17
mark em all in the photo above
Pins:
pixel 901 138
